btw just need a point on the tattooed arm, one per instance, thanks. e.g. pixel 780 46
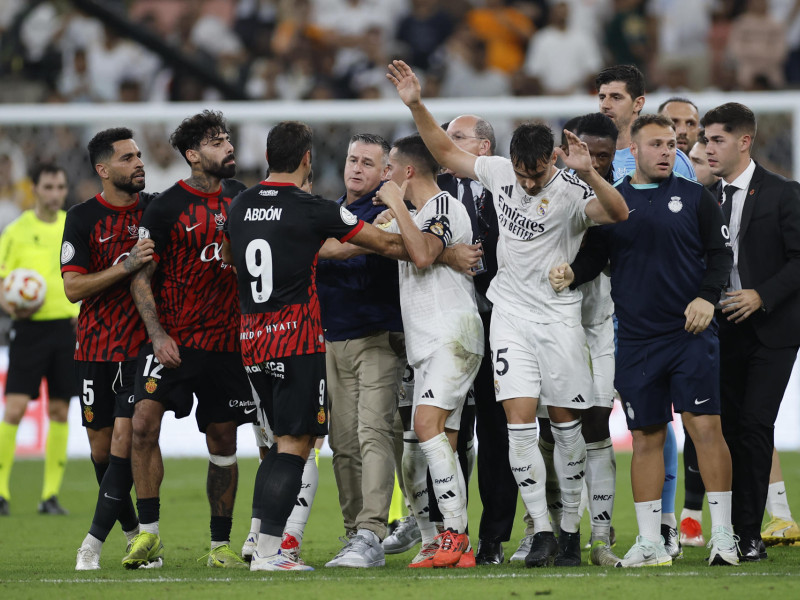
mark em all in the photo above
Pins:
pixel 164 347
pixel 78 286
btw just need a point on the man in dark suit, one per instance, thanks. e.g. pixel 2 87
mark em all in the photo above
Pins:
pixel 496 484
pixel 760 319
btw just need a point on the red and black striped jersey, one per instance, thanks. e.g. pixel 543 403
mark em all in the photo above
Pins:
pixel 97 236
pixel 276 231
pixel 195 292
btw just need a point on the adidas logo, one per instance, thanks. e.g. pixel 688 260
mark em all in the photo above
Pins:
pixel 301 502
pixel 579 399
pixel 447 494
pixel 604 516
pixel 428 394
pixel 507 189
pixel 527 482
pixel 576 477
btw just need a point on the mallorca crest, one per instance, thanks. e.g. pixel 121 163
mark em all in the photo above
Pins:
pixel 219 219
pixel 675 204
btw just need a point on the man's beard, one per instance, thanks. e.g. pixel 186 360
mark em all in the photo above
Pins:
pixel 221 170
pixel 128 185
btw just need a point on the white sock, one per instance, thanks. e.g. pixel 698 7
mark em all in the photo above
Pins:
pixel 268 545
pixel 669 519
pixel 528 468
pixel 552 489
pixel 93 543
pixel 462 489
pixel 570 462
pixel 601 480
pixel 648 517
pixel 415 478
pixel 218 543
pixel 298 518
pixel 444 468
pixel 688 513
pixel 129 535
pixel 255 527
pixel 149 527
pixel 719 505
pixel 777 504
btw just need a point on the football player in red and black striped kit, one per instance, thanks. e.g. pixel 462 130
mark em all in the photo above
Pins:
pixel 188 300
pixel 100 250
pixel 276 231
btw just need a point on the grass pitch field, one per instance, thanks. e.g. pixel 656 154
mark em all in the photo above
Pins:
pixel 38 552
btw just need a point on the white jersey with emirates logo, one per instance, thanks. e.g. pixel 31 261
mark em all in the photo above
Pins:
pixel 438 303
pixel 536 234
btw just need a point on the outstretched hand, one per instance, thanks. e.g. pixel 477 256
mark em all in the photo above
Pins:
pixel 407 84
pixel 577 156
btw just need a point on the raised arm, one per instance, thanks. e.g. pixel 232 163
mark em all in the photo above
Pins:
pixel 446 153
pixel 164 347
pixel 608 206
pixel 78 286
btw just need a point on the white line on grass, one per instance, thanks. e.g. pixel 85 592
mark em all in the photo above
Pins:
pixel 321 577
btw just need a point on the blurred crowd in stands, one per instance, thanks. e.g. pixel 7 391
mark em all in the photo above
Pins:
pixel 51 51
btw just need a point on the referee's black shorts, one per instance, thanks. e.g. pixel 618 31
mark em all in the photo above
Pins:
pixel 40 349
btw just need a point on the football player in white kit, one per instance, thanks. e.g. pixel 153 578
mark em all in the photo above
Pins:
pixel 538 344
pixel 443 329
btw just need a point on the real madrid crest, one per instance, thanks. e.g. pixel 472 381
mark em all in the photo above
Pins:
pixel 541 210
pixel 675 204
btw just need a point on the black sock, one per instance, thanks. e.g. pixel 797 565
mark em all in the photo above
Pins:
pixel 280 492
pixel 114 499
pixel 262 475
pixel 99 469
pixel 149 510
pixel 693 482
pixel 221 528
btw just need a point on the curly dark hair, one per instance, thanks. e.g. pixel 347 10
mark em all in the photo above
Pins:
pixel 195 129
pixel 101 146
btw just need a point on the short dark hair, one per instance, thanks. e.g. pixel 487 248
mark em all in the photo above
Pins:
pixel 287 144
pixel 38 170
pixel 733 117
pixel 415 150
pixel 675 99
pixel 373 139
pixel 701 137
pixel 484 130
pixel 101 146
pixel 193 130
pixel 630 75
pixel 531 144
pixel 654 119
pixel 598 125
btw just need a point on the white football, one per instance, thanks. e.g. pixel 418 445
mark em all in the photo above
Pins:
pixel 24 288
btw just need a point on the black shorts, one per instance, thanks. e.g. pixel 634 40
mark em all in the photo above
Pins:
pixel 40 349
pixel 292 394
pixel 680 372
pixel 106 391
pixel 218 379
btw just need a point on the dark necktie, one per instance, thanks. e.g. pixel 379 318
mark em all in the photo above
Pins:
pixel 468 200
pixel 727 202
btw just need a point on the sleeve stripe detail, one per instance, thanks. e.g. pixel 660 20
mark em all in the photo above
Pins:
pixel 74 269
pixel 352 232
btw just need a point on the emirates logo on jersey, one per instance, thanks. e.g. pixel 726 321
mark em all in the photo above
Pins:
pixel 219 219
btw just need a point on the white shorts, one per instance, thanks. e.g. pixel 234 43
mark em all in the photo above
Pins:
pixel 548 361
pixel 600 338
pixel 444 380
